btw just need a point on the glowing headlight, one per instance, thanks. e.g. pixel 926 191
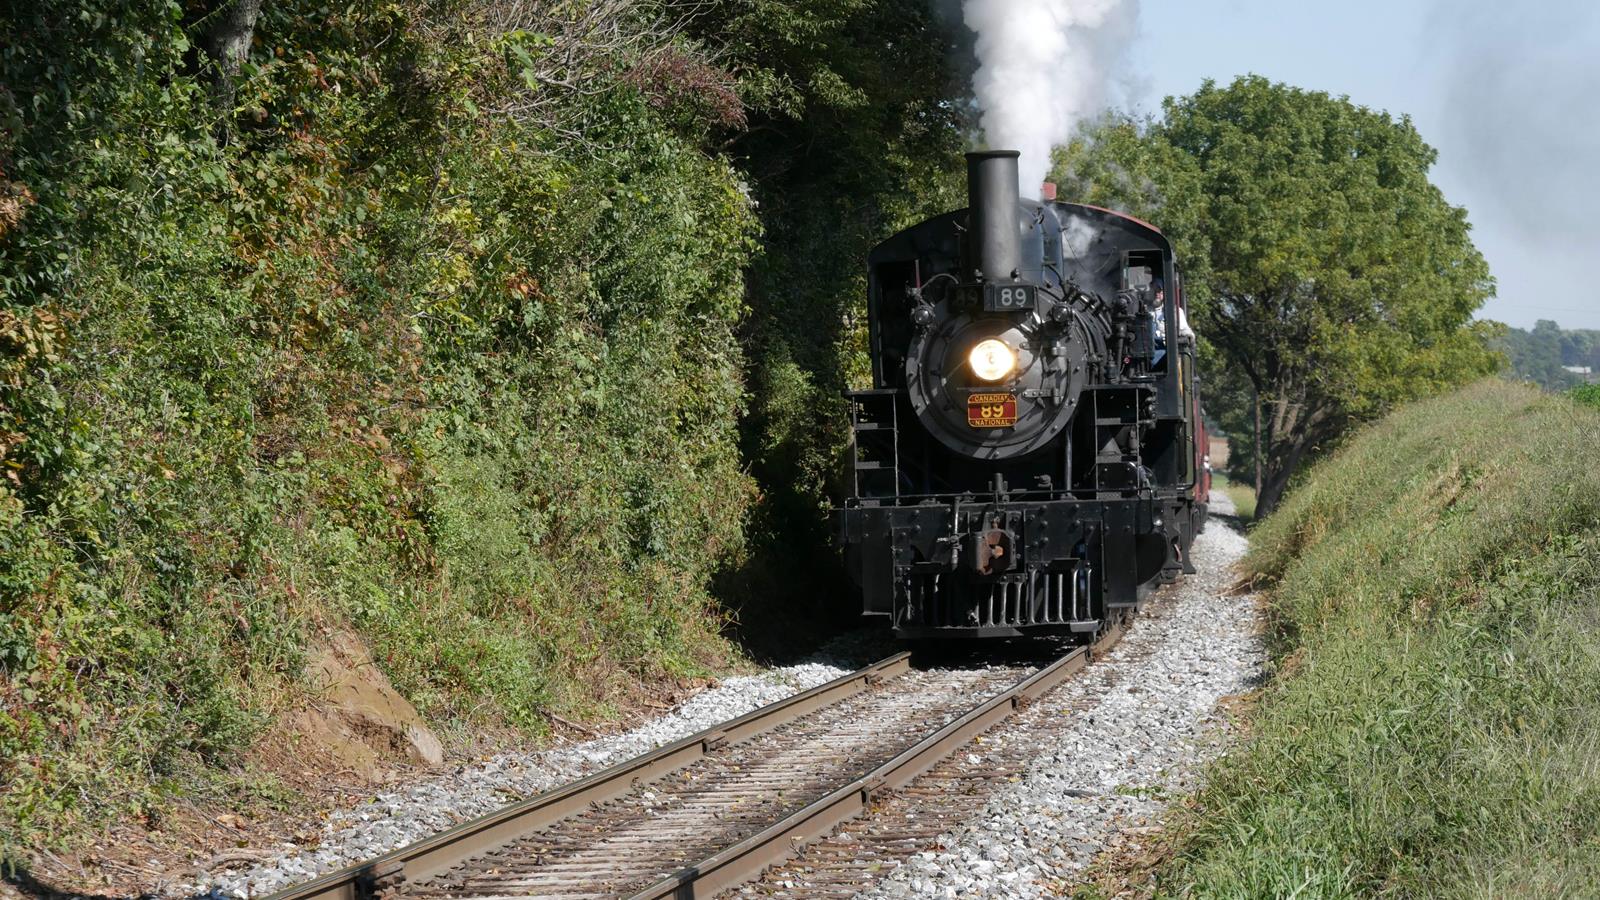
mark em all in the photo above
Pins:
pixel 992 360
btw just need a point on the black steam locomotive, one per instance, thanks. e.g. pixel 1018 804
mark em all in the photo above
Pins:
pixel 1030 459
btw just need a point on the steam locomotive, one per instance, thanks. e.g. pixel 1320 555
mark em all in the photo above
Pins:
pixel 1030 458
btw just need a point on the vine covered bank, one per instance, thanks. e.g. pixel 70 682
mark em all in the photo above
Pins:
pixel 427 321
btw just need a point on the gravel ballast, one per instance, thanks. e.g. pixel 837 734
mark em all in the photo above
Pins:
pixel 402 816
pixel 1108 748
pixel 1104 750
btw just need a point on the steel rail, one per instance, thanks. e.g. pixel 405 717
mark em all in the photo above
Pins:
pixel 448 849
pixel 745 861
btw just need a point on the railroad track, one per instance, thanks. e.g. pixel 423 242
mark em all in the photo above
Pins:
pixel 715 810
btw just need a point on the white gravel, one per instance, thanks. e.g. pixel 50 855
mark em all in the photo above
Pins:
pixel 1113 743
pixel 424 807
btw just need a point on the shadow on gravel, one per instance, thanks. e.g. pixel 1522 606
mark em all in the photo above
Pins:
pixel 958 654
pixel 779 611
pixel 1237 523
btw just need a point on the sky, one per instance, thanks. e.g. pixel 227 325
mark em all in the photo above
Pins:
pixel 1508 94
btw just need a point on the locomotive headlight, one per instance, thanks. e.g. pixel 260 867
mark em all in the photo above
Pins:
pixel 992 360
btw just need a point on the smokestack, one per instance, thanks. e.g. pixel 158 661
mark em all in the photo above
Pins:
pixel 994 245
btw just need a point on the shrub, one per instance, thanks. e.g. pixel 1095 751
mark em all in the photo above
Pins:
pixel 1586 393
pixel 376 360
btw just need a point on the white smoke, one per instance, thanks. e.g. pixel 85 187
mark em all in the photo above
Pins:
pixel 1078 236
pixel 1519 94
pixel 1043 67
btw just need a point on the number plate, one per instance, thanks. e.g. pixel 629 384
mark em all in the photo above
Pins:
pixel 992 410
pixel 1009 297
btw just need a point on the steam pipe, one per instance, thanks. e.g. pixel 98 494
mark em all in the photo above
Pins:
pixel 994 244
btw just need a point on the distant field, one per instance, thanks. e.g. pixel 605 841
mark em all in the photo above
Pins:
pixel 1433 727
pixel 1242 495
pixel 1221 451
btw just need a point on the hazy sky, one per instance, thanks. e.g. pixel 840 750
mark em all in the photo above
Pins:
pixel 1508 94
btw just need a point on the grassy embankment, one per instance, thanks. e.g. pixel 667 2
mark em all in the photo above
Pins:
pixel 1434 725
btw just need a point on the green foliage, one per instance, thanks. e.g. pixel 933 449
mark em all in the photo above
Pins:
pixel 1431 728
pixel 1325 270
pixel 1586 393
pixel 851 137
pixel 378 361
pixel 1542 354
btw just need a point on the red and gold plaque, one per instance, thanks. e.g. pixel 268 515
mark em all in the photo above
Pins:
pixel 992 410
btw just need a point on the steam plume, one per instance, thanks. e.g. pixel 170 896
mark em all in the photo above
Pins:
pixel 1519 101
pixel 1043 67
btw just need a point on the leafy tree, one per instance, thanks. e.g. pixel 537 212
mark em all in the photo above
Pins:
pixel 1576 347
pixel 225 30
pixel 1539 355
pixel 851 136
pixel 1324 268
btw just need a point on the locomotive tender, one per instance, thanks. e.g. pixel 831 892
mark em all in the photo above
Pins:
pixel 1030 459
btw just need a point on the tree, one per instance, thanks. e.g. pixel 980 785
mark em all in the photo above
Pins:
pixel 1540 355
pixel 1324 267
pixel 226 30
pixel 851 136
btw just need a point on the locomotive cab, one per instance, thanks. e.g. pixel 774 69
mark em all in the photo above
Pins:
pixel 1026 460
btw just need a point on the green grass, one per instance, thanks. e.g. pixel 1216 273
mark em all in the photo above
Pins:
pixel 1242 495
pixel 1433 728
